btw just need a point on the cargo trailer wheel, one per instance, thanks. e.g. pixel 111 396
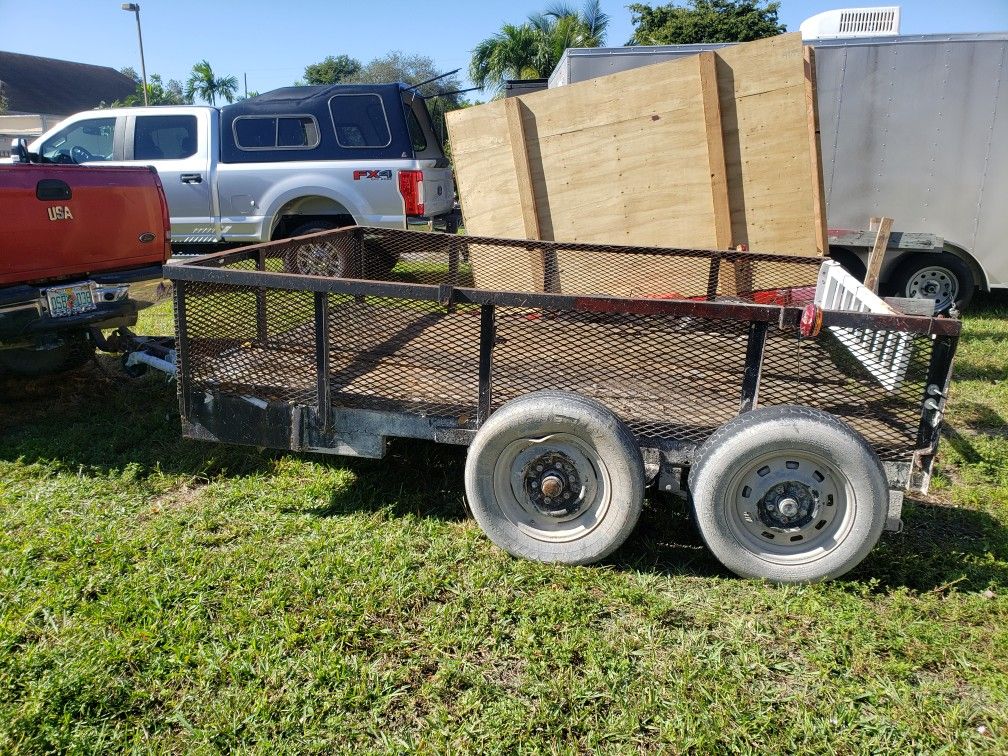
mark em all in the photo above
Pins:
pixel 790 494
pixel 555 477
pixel 942 277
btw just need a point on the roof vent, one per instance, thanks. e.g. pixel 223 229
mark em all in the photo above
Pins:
pixel 852 22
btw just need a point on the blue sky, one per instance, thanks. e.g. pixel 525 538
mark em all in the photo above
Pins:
pixel 271 42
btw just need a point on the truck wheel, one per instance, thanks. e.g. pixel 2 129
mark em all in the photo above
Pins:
pixel 790 494
pixel 73 352
pixel 555 477
pixel 319 258
pixel 941 276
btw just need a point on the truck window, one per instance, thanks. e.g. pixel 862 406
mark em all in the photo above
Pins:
pixel 276 132
pixel 94 136
pixel 359 120
pixel 164 137
pixel 415 131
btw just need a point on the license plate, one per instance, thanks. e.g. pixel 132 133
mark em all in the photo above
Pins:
pixel 71 300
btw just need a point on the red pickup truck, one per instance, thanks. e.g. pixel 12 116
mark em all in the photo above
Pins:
pixel 73 240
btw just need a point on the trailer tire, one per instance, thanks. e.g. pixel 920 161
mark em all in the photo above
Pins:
pixel 849 261
pixel 555 477
pixel 790 494
pixel 74 350
pixel 941 276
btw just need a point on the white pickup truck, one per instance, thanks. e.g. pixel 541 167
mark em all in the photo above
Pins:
pixel 286 163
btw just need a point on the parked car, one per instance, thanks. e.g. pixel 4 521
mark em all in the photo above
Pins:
pixel 74 241
pixel 286 163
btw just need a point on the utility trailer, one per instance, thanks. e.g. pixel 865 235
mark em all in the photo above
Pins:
pixel 793 427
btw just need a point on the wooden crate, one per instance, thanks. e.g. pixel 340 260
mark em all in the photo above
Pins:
pixel 709 151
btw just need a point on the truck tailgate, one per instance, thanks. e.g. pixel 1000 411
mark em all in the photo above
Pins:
pixel 438 188
pixel 62 221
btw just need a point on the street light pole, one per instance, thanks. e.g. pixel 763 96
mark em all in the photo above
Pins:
pixel 135 7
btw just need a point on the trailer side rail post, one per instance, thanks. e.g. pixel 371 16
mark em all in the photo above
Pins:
pixel 712 277
pixel 182 346
pixel 753 365
pixel 262 333
pixel 488 334
pixel 939 376
pixel 322 358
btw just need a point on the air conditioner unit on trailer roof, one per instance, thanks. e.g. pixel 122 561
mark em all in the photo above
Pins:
pixel 852 22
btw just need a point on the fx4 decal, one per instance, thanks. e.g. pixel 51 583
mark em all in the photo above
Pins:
pixel 373 175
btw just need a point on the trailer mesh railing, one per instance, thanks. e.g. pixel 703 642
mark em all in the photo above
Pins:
pixel 665 338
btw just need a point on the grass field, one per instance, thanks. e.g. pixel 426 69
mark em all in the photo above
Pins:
pixel 168 596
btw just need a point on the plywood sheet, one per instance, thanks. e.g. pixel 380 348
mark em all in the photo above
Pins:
pixel 772 179
pixel 709 151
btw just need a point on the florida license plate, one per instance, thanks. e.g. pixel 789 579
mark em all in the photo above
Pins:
pixel 71 300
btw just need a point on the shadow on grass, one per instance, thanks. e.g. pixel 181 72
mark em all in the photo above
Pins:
pixel 101 422
pixel 98 420
pixel 416 478
pixel 941 546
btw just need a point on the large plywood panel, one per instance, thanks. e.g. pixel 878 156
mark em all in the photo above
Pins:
pixel 709 151
pixel 773 174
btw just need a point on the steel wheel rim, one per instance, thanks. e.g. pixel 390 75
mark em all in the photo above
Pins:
pixel 315 260
pixel 755 506
pixel 934 282
pixel 510 476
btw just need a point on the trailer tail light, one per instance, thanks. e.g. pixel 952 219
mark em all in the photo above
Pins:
pixel 411 189
pixel 811 321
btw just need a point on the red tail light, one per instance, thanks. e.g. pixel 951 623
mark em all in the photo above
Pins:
pixel 411 189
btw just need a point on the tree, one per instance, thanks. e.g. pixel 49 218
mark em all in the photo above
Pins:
pixel 532 50
pixel 158 93
pixel 704 21
pixel 202 82
pixel 332 70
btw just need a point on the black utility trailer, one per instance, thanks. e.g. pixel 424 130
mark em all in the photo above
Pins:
pixel 794 428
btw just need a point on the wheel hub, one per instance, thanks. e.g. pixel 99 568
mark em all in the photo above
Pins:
pixel 553 486
pixel 790 505
pixel 936 283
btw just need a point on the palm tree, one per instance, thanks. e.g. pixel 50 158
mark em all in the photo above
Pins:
pixel 532 50
pixel 202 82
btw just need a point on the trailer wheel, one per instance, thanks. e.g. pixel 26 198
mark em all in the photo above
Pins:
pixel 942 277
pixel 790 494
pixel 850 261
pixel 555 477
pixel 74 350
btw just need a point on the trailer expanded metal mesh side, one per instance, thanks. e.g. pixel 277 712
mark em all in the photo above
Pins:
pixel 418 337
pixel 549 267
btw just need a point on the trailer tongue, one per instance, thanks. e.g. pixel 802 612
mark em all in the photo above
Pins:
pixel 794 427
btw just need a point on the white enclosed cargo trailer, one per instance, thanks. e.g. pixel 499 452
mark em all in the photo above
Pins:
pixel 912 127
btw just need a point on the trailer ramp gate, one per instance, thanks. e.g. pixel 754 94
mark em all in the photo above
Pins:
pixel 422 337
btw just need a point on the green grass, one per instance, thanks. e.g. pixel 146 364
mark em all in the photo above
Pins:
pixel 168 596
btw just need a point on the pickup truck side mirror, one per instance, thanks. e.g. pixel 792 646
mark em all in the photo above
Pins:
pixel 19 151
